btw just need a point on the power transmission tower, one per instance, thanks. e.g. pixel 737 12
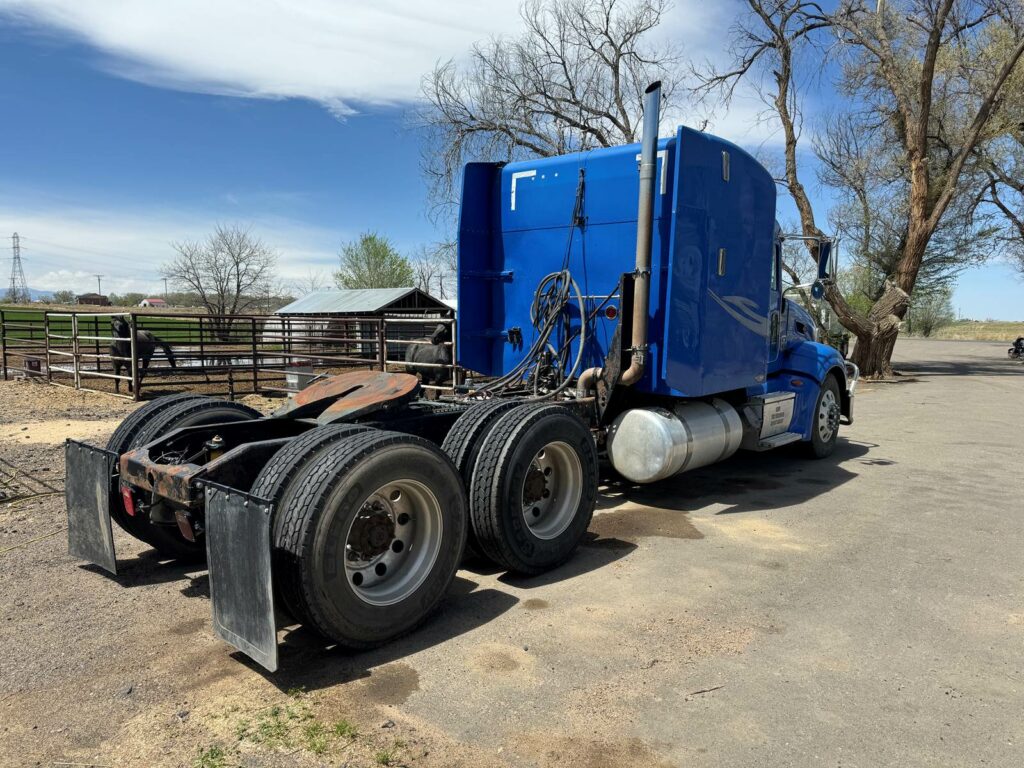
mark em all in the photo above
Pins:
pixel 18 292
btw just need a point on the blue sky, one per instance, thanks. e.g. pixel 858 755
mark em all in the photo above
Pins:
pixel 127 126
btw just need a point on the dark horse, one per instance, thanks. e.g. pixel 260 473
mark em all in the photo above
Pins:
pixel 145 344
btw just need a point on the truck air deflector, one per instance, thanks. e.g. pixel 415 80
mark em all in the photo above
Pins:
pixel 241 589
pixel 90 476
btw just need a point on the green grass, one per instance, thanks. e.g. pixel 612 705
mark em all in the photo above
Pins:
pixel 343 729
pixel 211 757
pixel 385 757
pixel 315 737
pixel 176 330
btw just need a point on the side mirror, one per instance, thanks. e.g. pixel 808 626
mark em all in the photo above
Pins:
pixel 818 290
pixel 824 258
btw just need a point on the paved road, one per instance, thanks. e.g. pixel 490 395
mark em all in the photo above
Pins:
pixel 865 610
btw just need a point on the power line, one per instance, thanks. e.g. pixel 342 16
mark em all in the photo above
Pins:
pixel 18 292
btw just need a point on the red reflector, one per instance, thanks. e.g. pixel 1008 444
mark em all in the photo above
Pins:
pixel 796 382
pixel 611 313
pixel 129 501
pixel 184 525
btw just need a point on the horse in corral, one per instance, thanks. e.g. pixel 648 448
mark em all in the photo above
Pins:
pixel 437 353
pixel 145 345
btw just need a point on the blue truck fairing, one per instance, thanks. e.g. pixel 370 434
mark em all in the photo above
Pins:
pixel 714 224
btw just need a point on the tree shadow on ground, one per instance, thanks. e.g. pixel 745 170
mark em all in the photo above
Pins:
pixel 973 366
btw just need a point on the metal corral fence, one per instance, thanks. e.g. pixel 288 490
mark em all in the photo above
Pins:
pixel 225 355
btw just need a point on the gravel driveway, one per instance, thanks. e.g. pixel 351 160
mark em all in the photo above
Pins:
pixel 864 610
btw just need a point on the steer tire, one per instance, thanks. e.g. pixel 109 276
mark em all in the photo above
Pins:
pixel 464 441
pixel 342 486
pixel 122 441
pixel 166 539
pixel 819 446
pixel 512 455
pixel 274 482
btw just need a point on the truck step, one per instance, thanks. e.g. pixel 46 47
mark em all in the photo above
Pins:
pixel 777 441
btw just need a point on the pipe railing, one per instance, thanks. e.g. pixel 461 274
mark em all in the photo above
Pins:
pixel 229 355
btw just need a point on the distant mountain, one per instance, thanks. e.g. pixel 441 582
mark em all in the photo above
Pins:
pixel 39 295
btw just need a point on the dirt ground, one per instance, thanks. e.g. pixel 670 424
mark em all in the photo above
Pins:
pixel 859 611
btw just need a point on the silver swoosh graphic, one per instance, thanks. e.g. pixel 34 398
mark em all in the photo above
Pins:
pixel 744 311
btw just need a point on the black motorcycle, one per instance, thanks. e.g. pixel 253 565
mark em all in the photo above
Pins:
pixel 1016 352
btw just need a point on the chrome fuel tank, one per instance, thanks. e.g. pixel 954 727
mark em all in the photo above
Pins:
pixel 649 444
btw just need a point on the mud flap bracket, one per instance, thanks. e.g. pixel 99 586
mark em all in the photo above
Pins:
pixel 241 585
pixel 89 474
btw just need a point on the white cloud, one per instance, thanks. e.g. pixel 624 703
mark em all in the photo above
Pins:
pixel 64 247
pixel 341 54
pixel 335 53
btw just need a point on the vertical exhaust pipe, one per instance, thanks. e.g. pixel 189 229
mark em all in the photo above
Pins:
pixel 644 235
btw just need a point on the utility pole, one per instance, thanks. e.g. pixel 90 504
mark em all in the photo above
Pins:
pixel 165 289
pixel 18 292
pixel 99 284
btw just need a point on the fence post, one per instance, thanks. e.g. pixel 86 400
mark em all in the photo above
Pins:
pixel 3 344
pixel 135 357
pixel 202 349
pixel 75 350
pixel 96 341
pixel 382 345
pixel 46 344
pixel 255 365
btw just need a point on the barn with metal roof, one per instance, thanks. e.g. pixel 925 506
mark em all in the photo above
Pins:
pixel 367 302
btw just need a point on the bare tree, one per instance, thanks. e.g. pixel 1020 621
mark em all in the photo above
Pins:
pixel 916 71
pixel 574 79
pixel 1002 162
pixel 313 281
pixel 435 270
pixel 230 271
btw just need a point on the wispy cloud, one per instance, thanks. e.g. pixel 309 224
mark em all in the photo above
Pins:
pixel 339 54
pixel 64 247
pixel 342 55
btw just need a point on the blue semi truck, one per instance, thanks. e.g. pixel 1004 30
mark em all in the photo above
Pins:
pixel 620 310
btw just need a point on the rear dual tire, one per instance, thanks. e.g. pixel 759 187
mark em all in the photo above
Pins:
pixel 533 488
pixel 367 534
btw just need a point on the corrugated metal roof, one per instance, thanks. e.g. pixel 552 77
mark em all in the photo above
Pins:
pixel 352 301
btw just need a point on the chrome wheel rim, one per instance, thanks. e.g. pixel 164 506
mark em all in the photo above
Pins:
pixel 551 490
pixel 392 542
pixel 828 416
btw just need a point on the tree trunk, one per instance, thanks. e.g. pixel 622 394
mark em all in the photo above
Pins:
pixel 873 353
pixel 876 332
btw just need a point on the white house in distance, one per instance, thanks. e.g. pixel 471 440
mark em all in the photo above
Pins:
pixel 153 302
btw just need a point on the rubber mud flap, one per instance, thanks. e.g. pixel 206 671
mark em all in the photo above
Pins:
pixel 241 586
pixel 87 495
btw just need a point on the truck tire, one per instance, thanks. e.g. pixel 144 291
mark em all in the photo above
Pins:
pixel 825 420
pixel 121 441
pixel 273 483
pixel 372 537
pixel 534 488
pixel 464 441
pixel 192 412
